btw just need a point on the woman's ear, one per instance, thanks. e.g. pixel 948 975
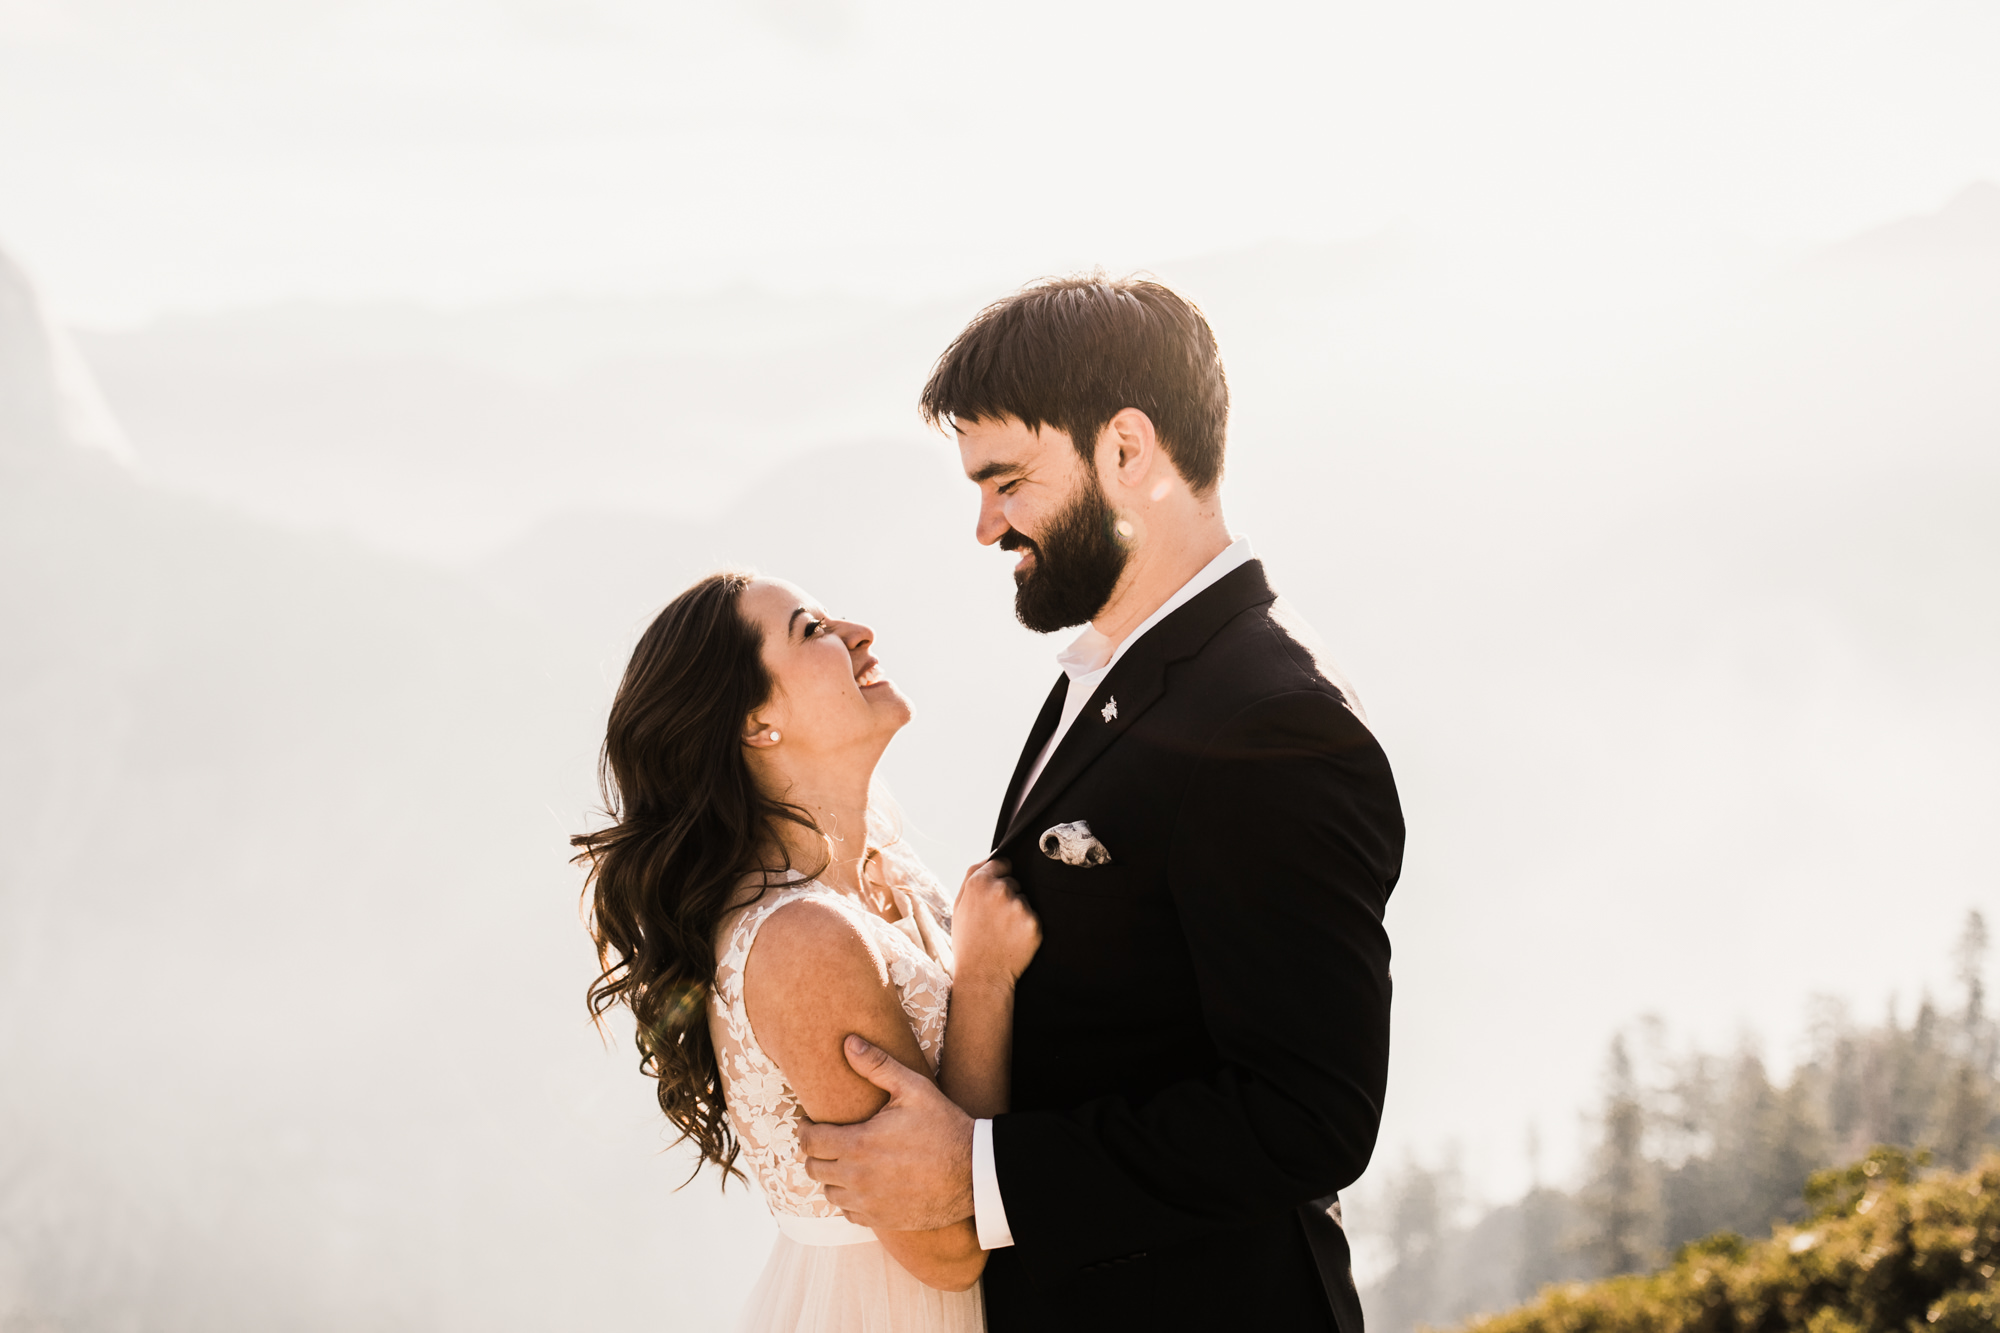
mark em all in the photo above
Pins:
pixel 760 735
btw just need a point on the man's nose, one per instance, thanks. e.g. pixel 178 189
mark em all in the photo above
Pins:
pixel 992 524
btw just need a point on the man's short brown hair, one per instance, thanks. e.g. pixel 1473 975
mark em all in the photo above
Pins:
pixel 1075 352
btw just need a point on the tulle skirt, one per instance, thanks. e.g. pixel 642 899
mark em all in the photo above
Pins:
pixel 852 1289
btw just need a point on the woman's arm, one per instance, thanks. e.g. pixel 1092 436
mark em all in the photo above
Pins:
pixel 978 1046
pixel 994 936
pixel 810 980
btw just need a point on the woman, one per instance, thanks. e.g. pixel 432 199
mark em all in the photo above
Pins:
pixel 751 908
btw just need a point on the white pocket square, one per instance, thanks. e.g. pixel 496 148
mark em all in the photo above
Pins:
pixel 1074 845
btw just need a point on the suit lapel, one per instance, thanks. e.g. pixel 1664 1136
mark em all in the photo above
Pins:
pixel 1038 736
pixel 1136 683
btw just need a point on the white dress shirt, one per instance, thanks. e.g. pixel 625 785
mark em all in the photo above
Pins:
pixel 1087 661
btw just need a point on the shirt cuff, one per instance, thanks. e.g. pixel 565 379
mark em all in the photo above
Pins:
pixel 989 1214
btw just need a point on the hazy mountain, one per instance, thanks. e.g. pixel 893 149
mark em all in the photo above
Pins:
pixel 47 398
pixel 1967 228
pixel 290 968
pixel 1432 372
pixel 446 433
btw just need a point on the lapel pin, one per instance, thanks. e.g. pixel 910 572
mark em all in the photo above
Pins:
pixel 1110 708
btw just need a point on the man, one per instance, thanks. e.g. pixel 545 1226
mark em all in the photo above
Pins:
pixel 1209 835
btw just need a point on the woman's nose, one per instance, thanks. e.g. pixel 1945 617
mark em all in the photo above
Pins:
pixel 856 635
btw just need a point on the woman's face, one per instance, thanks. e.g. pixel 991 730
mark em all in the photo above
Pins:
pixel 829 695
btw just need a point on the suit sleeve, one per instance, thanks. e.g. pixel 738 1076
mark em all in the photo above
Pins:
pixel 1287 844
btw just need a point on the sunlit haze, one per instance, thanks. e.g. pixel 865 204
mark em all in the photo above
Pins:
pixel 1613 388
pixel 211 152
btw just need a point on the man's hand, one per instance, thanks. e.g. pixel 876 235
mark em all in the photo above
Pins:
pixel 909 1167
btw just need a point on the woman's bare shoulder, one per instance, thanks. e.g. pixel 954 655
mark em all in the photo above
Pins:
pixel 809 941
pixel 812 977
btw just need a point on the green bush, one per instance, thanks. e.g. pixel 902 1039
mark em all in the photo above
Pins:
pixel 1887 1247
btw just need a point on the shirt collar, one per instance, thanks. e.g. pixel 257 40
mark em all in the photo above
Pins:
pixel 1091 652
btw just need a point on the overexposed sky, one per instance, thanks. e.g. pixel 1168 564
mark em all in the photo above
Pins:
pixel 161 154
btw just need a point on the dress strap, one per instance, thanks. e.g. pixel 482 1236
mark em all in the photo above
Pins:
pixel 750 918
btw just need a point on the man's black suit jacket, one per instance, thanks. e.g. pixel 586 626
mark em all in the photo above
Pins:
pixel 1201 1044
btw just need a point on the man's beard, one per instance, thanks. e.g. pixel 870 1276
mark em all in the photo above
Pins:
pixel 1077 563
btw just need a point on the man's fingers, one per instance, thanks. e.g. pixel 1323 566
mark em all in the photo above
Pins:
pixel 819 1140
pixel 831 1174
pixel 879 1067
pixel 828 1141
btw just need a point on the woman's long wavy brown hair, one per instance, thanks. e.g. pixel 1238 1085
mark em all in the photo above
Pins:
pixel 688 823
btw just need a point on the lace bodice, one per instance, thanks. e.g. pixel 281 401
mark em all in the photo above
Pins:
pixel 915 952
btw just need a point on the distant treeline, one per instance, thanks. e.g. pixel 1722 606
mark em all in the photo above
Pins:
pixel 1705 1144
pixel 1885 1247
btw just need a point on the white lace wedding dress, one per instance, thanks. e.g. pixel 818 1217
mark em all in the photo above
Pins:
pixel 827 1274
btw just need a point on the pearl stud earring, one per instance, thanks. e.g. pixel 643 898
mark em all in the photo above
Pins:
pixel 775 738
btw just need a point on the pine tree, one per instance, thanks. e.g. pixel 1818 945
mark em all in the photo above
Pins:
pixel 1621 1200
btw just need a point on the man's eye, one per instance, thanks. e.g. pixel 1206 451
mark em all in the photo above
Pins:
pixel 1008 489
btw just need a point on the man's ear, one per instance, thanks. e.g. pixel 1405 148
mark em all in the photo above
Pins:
pixel 1134 444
